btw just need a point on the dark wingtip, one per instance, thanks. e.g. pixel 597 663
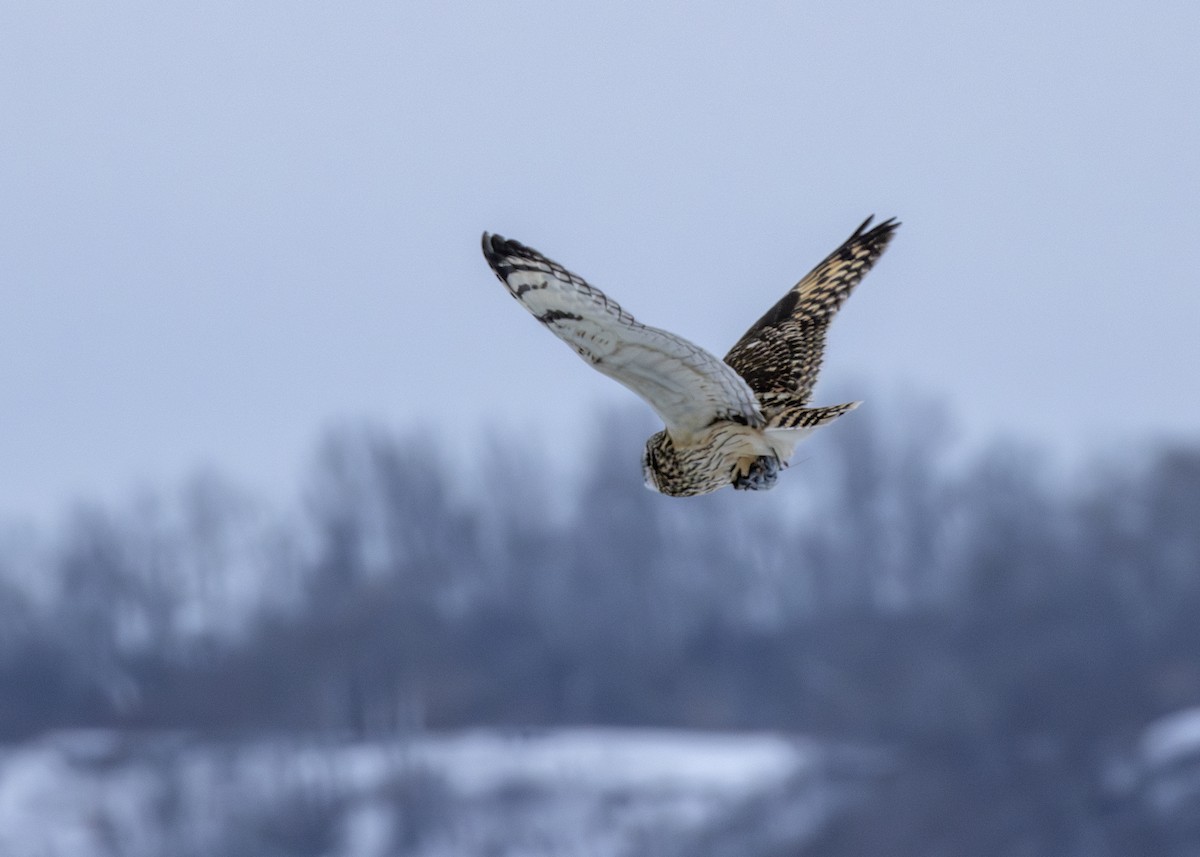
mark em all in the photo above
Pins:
pixel 496 247
pixel 490 250
pixel 493 253
pixel 876 237
pixel 888 226
pixel 879 234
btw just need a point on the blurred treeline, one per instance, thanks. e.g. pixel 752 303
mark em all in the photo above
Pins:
pixel 987 607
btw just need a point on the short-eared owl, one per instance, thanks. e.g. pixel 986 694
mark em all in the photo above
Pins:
pixel 732 422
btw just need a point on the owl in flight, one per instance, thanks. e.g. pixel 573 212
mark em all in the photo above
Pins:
pixel 731 422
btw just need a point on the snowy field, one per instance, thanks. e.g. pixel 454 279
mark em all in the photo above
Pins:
pixel 601 793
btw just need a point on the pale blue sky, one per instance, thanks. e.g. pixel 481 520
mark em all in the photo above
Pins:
pixel 224 226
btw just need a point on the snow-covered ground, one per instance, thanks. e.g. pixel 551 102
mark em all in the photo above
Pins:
pixel 1170 765
pixel 596 792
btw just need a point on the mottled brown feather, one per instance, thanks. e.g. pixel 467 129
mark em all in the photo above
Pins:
pixel 780 355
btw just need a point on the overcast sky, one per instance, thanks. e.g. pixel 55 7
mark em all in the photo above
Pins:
pixel 225 226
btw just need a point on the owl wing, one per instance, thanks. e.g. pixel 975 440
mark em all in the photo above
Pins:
pixel 685 385
pixel 780 355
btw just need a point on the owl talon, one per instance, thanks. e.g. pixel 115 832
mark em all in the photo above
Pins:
pixel 756 475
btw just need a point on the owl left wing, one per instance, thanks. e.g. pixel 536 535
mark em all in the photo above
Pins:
pixel 780 355
pixel 684 384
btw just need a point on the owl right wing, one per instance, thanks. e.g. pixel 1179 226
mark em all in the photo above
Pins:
pixel 781 353
pixel 685 385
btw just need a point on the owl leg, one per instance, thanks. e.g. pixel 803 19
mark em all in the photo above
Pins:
pixel 756 474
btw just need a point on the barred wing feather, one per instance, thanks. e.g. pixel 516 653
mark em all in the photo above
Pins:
pixel 780 355
pixel 688 387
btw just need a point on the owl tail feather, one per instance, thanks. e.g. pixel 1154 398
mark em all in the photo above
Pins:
pixel 798 417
